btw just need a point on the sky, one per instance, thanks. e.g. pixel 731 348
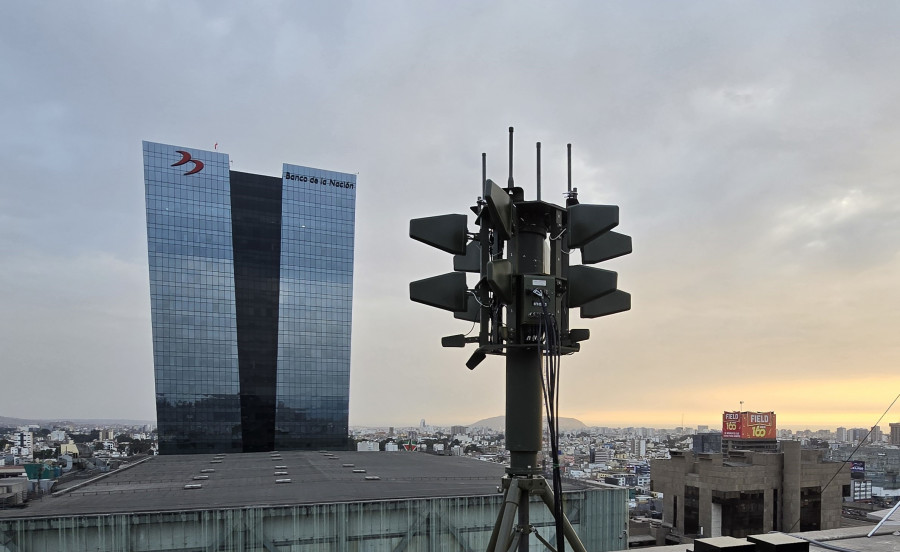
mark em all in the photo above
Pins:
pixel 751 148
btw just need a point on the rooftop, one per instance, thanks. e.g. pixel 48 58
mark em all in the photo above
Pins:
pixel 249 479
pixel 845 539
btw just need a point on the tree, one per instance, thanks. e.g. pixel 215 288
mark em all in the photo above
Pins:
pixel 140 446
pixel 85 437
pixel 44 454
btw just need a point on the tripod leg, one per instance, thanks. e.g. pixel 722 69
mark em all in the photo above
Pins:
pixel 516 541
pixel 569 531
pixel 492 544
pixel 503 529
pixel 524 523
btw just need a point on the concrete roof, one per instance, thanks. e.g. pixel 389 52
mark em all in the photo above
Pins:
pixel 249 480
pixel 877 516
pixel 854 538
pixel 848 538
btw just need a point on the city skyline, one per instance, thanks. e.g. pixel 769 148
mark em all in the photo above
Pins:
pixel 750 148
pixel 470 425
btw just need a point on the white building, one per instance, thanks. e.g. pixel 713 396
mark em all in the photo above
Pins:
pixel 860 489
pixel 23 443
pixel 21 452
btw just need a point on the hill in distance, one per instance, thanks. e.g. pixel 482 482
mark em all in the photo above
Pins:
pixel 498 423
pixel 6 421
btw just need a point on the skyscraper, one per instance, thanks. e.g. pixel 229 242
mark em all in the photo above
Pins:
pixel 876 435
pixel 841 434
pixel 251 281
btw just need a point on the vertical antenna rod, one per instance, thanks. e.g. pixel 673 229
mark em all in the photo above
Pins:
pixel 510 183
pixel 538 171
pixel 569 155
pixel 486 255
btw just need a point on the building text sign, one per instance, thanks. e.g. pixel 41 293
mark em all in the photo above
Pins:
pixel 748 425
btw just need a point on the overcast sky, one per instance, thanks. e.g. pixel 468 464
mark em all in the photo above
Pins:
pixel 752 148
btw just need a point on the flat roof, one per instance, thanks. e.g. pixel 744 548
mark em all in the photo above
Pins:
pixel 249 479
pixel 853 538
pixel 847 538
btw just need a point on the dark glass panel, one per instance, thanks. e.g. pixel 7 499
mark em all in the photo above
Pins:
pixel 256 239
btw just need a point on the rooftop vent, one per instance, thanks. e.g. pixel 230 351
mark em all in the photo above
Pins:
pixel 778 542
pixel 723 544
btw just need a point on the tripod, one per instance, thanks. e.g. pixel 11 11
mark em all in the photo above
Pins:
pixel 509 535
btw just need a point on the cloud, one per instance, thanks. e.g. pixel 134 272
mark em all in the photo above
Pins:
pixel 751 149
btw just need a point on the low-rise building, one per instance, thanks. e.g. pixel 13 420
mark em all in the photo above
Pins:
pixel 748 492
pixel 299 501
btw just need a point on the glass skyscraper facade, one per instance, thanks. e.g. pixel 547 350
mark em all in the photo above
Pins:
pixel 251 281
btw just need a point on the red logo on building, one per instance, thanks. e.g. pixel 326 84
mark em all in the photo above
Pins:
pixel 186 158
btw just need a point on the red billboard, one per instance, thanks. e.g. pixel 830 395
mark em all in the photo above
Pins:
pixel 748 425
pixel 731 425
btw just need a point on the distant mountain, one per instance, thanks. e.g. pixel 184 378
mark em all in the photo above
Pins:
pixel 13 422
pixel 498 423
pixel 103 422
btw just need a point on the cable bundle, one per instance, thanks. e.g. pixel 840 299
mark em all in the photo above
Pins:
pixel 550 338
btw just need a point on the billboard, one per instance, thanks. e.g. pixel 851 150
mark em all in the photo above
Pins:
pixel 748 425
pixel 731 425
